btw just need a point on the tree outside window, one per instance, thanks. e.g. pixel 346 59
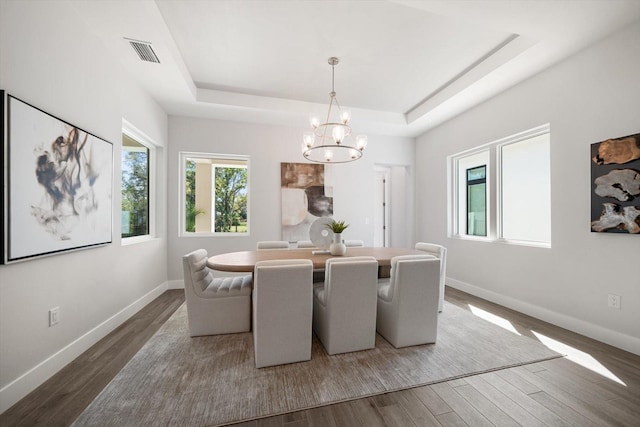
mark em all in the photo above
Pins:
pixel 135 188
pixel 215 194
pixel 231 199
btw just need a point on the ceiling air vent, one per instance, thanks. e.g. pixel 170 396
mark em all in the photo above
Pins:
pixel 144 50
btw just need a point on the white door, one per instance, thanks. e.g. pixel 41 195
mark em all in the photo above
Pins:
pixel 381 215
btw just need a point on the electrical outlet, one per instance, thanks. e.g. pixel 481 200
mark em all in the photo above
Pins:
pixel 614 301
pixel 54 316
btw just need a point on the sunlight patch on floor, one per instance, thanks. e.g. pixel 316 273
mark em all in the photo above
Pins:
pixel 496 320
pixel 577 356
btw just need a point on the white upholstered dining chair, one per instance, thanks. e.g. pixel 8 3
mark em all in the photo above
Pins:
pixel 305 244
pixel 408 301
pixel 439 252
pixel 344 306
pixel 272 244
pixel 282 311
pixel 354 243
pixel 215 305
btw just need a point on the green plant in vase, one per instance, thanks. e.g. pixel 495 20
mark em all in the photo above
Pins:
pixel 337 226
pixel 337 247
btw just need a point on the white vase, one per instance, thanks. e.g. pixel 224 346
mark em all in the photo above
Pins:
pixel 337 248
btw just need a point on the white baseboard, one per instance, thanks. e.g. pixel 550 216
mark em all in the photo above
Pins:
pixel 30 380
pixel 175 284
pixel 607 336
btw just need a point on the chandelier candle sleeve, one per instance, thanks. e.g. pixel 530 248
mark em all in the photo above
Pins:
pixel 333 134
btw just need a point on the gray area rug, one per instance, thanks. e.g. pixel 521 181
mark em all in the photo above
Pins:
pixel 208 381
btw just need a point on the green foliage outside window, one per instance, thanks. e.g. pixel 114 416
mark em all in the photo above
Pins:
pixel 231 199
pixel 135 193
pixel 190 194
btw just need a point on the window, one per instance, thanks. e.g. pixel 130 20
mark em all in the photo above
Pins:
pixel 477 201
pixel 135 188
pixel 471 197
pixel 520 197
pixel 525 190
pixel 137 173
pixel 216 194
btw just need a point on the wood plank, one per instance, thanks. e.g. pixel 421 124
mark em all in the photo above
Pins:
pixel 252 423
pixel 451 419
pixel 566 412
pixel 464 409
pixel 590 379
pixel 457 383
pixel 585 390
pixel 517 381
pixel 485 406
pixel 321 417
pixel 591 410
pixel 504 402
pixel 627 411
pixel 418 412
pixel 431 400
pixel 395 416
pixel 344 414
pixel 271 422
pixel 294 417
pixel 365 411
pixel 524 400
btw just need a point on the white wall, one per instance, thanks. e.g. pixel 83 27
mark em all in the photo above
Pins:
pixel 588 98
pixel 51 59
pixel 268 146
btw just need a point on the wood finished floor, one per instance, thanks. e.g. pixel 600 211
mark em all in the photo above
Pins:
pixel 557 392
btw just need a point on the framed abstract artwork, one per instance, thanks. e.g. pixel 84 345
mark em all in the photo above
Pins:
pixel 305 198
pixel 615 185
pixel 59 185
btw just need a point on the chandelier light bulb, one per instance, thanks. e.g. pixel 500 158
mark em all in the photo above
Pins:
pixel 361 142
pixel 353 153
pixel 328 155
pixel 338 134
pixel 308 139
pixel 315 122
pixel 345 117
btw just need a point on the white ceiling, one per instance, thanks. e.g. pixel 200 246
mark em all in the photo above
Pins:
pixel 405 65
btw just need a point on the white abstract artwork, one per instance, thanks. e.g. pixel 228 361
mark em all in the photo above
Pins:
pixel 59 187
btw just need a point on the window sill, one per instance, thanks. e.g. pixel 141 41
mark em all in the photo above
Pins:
pixel 127 241
pixel 188 234
pixel 502 241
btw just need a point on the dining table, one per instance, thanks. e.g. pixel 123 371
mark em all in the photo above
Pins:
pixel 245 261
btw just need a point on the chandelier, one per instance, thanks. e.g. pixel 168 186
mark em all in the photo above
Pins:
pixel 332 133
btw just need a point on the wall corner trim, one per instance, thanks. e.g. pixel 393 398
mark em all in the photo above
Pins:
pixel 591 330
pixel 30 380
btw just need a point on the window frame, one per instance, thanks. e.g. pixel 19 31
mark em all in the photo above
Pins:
pixel 457 193
pixel 494 186
pixel 140 137
pixel 500 144
pixel 470 183
pixel 182 217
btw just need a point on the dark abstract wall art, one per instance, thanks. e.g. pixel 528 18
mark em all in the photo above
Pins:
pixel 59 185
pixel 615 185
pixel 305 198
